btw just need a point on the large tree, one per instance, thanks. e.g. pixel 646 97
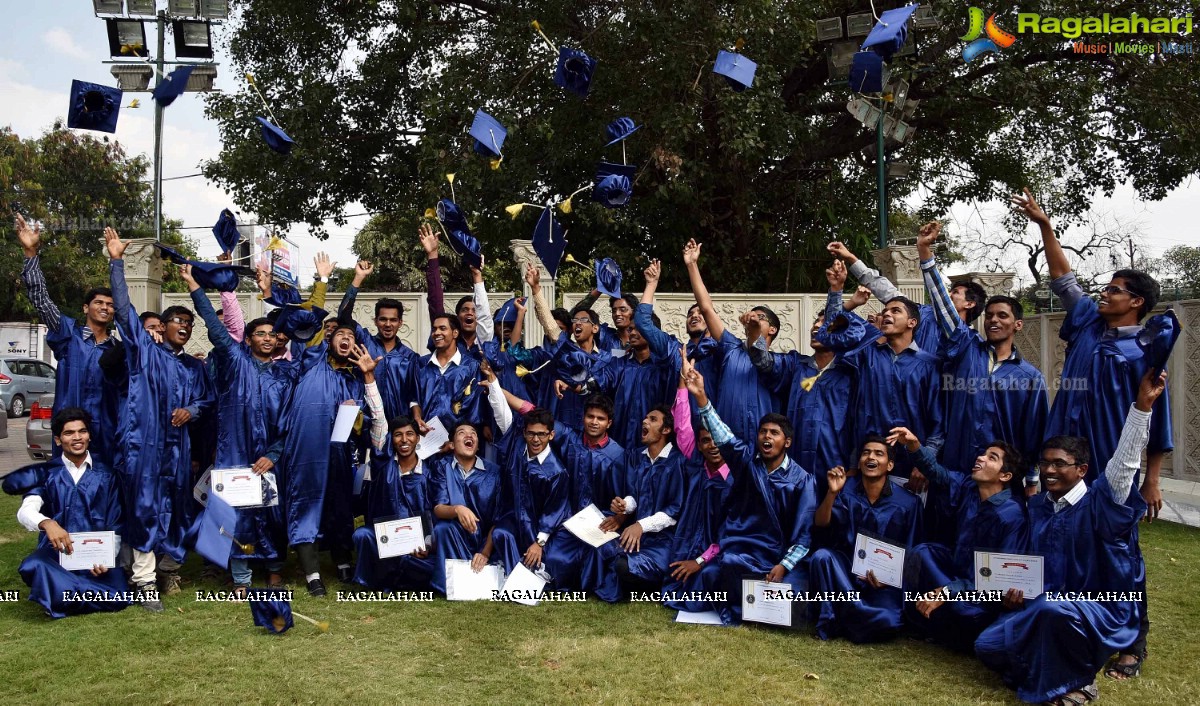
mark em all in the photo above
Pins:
pixel 379 97
pixel 74 185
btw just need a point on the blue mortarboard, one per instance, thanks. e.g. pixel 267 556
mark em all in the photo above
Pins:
pixel 574 71
pixel 507 314
pixel 93 107
pixel 866 72
pixel 489 134
pixel 889 34
pixel 575 366
pixel 271 610
pixel 737 70
pixel 549 241
pixel 283 294
pixel 172 86
pixel 1157 338
pixel 451 216
pixel 226 231
pixel 220 276
pixel 275 137
pixel 465 244
pixel 26 478
pixel 613 184
pixel 608 277
pixel 300 323
pixel 214 535
pixel 619 129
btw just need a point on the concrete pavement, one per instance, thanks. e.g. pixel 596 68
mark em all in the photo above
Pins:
pixel 12 449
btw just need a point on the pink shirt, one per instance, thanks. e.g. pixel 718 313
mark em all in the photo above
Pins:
pixel 685 439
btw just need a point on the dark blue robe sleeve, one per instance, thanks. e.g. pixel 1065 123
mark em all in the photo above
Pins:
pixel 660 342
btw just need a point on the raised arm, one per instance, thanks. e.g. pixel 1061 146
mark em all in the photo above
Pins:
pixel 498 398
pixel 30 238
pixel 1056 258
pixel 880 286
pixel 691 259
pixel 483 308
pixel 221 339
pixel 361 357
pixel 943 306
pixel 518 328
pixel 540 308
pixel 1127 458
pixel 923 457
pixel 681 410
pixel 434 295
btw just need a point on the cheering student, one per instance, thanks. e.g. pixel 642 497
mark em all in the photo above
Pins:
pixel 447 380
pixel 647 507
pixel 1050 650
pixel 991 391
pixel 396 373
pixel 768 529
pixel 399 489
pixel 967 297
pixel 991 517
pixel 819 389
pixel 867 503
pixel 467 497
pixel 741 399
pixel 705 508
pixel 473 311
pixel 285 348
pixel 76 494
pixel 317 472
pixel 1100 378
pixel 168 389
pixel 79 381
pixel 253 392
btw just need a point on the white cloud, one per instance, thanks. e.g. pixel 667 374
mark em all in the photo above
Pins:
pixel 61 41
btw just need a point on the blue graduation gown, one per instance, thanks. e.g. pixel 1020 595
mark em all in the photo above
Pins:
pixel 769 513
pixel 481 491
pixel 1008 403
pixel 396 374
pixel 595 476
pixel 635 387
pixel 701 522
pixel 665 347
pixel 1051 647
pixel 537 495
pixel 79 382
pixel 741 399
pixel 896 518
pixel 316 474
pixel 454 396
pixel 610 342
pixel 997 524
pixel 569 410
pixel 393 495
pixel 92 505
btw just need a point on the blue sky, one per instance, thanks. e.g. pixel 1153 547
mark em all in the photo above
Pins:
pixel 56 41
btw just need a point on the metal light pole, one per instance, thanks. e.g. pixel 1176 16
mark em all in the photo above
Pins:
pixel 881 178
pixel 161 22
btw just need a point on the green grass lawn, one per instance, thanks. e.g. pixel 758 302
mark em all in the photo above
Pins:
pixel 490 652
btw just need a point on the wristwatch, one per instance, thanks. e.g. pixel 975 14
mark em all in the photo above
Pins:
pixel 700 561
pixel 541 543
pixel 318 278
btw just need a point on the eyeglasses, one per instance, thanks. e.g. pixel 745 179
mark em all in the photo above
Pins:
pixel 263 334
pixel 537 434
pixel 1057 464
pixel 1111 289
pixel 180 321
pixel 584 320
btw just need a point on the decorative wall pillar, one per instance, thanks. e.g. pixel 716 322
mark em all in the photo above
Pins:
pixel 144 275
pixel 901 265
pixel 523 254
pixel 993 283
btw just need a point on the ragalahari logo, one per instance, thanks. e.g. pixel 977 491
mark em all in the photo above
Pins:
pixel 995 40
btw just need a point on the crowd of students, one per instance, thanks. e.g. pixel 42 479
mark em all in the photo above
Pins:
pixel 714 458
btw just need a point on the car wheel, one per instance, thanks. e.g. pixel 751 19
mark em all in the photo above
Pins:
pixel 16 408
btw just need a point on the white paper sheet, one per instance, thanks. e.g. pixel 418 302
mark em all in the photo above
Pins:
pixel 238 487
pixel 433 440
pixel 759 608
pixel 523 586
pixel 202 489
pixel 1000 572
pixel 900 482
pixel 883 558
pixel 707 617
pixel 399 537
pixel 89 549
pixel 585 525
pixel 347 414
pixel 463 584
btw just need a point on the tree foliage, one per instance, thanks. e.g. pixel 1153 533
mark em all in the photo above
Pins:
pixel 75 185
pixel 379 97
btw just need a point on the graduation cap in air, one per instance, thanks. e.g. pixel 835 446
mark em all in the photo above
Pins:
pixel 271 610
pixel 467 247
pixel 620 129
pixel 283 294
pixel 1157 338
pixel 173 86
pixel 575 366
pixel 608 277
pixel 220 276
pixel 275 137
pixel 93 107
pixel 213 531
pixel 613 184
pixel 489 136
pixel 300 322
pixel 226 231
pixel 451 216
pixel 507 313
pixel 574 71
pixel 866 72
pixel 737 70
pixel 26 478
pixel 891 31
pixel 549 241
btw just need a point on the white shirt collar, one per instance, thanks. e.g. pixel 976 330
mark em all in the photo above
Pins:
pixel 1073 496
pixel 541 458
pixel 419 469
pixel 666 451
pixel 479 466
pixel 78 471
pixel 455 359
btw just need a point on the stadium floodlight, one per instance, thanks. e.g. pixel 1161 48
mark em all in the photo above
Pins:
pixel 126 38
pixel 859 25
pixel 183 8
pixel 193 40
pixel 144 8
pixel 829 29
pixel 214 9
pixel 107 7
pixel 923 18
